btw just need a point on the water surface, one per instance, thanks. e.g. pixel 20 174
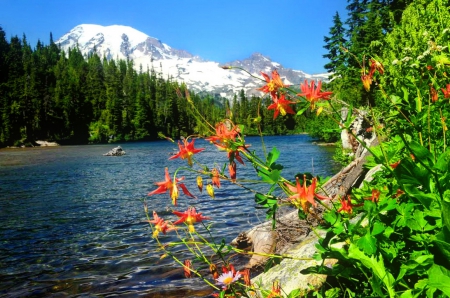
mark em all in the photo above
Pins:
pixel 72 220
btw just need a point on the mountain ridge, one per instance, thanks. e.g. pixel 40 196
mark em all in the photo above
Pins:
pixel 125 42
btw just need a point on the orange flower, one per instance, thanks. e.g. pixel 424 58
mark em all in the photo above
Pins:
pixel 246 275
pixel 280 105
pixel 224 134
pixel 186 151
pixel 434 95
pixel 367 81
pixel 276 290
pixel 232 170
pixel 187 268
pixel 312 94
pixel 395 164
pixel 273 84
pixel 376 65
pixel 213 270
pixel 215 177
pixel 347 205
pixel 160 225
pixel 190 217
pixel 172 187
pixel 304 196
pixel 446 91
pixel 375 196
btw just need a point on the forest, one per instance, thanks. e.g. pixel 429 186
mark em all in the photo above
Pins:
pixel 46 94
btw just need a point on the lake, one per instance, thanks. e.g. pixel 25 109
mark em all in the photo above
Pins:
pixel 73 224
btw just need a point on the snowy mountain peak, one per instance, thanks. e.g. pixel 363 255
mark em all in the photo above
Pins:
pixel 124 42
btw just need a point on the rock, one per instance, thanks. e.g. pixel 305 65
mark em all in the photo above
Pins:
pixel 118 151
pixel 45 143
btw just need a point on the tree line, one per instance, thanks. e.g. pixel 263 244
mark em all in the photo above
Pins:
pixel 47 94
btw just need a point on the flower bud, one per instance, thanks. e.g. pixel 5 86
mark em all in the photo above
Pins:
pixel 200 183
pixel 210 190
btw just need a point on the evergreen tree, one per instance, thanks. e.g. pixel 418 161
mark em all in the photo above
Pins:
pixel 334 44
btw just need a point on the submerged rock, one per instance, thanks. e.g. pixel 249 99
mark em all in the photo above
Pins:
pixel 118 151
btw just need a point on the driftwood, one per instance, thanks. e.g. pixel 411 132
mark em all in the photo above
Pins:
pixel 290 230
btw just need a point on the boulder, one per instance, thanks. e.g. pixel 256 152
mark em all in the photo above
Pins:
pixel 118 151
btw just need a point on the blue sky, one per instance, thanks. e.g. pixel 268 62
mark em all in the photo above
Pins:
pixel 288 31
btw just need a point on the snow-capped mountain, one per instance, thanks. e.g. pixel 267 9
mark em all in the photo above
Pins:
pixel 124 42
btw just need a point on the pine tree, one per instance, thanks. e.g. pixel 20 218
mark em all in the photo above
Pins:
pixel 334 44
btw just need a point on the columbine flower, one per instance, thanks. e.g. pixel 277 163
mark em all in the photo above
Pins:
pixel 187 268
pixel 395 164
pixel 273 84
pixel 228 277
pixel 232 170
pixel 213 270
pixel 186 151
pixel 276 290
pixel 160 225
pixel 367 81
pixel 224 134
pixel 312 94
pixel 304 196
pixel 434 95
pixel 280 105
pixel 190 217
pixel 215 177
pixel 375 196
pixel 446 91
pixel 172 187
pixel 376 65
pixel 347 205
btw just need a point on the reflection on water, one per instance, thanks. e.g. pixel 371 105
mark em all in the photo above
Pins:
pixel 72 220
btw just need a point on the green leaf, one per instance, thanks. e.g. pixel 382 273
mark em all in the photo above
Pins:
pixel 420 152
pixel 368 244
pixel 266 201
pixel 443 162
pixel 439 278
pixel 273 156
pixel 442 243
pixel 424 198
pixel 378 228
pixel 375 266
pixel 294 293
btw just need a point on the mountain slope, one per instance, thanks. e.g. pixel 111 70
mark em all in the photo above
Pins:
pixel 125 42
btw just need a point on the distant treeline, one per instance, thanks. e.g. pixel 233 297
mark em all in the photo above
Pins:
pixel 46 94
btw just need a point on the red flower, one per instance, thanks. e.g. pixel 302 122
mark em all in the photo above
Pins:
pixel 276 290
pixel 395 164
pixel 280 105
pixel 215 177
pixel 160 225
pixel 187 268
pixel 172 187
pixel 347 205
pixel 434 95
pixel 375 196
pixel 224 134
pixel 213 270
pixel 446 91
pixel 186 151
pixel 273 84
pixel 376 65
pixel 304 196
pixel 312 94
pixel 190 217
pixel 232 170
